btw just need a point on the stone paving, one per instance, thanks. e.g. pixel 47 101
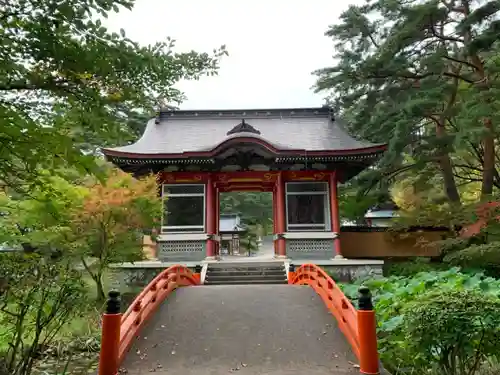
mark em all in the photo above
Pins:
pixel 243 329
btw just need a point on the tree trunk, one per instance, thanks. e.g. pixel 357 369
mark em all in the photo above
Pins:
pixel 450 185
pixel 101 296
pixel 489 162
pixel 489 169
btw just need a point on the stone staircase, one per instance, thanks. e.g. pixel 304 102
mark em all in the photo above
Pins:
pixel 246 273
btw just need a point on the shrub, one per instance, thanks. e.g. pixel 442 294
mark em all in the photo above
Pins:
pixel 38 297
pixel 456 331
pixel 485 256
pixel 410 268
pixel 392 296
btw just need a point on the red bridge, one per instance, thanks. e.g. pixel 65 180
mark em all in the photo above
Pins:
pixel 249 329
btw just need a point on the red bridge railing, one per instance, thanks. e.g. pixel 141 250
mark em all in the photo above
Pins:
pixel 119 331
pixel 358 326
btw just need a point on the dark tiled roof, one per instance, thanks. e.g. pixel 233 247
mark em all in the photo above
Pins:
pixel 177 132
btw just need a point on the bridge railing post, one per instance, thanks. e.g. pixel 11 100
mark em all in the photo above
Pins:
pixel 367 334
pixel 110 336
pixel 291 272
pixel 197 273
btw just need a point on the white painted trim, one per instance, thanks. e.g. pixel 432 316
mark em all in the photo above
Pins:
pixel 310 235
pixel 203 275
pixel 204 195
pixel 182 237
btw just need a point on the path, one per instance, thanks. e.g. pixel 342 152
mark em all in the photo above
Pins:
pixel 262 329
pixel 265 253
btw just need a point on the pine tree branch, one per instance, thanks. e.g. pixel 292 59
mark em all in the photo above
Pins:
pixel 467 166
pixel 470 179
pixel 409 75
pixel 469 64
pixel 442 36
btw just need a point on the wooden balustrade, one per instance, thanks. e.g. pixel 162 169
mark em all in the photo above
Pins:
pixel 119 331
pixel 358 326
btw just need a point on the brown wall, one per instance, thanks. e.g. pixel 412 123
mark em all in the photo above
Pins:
pixel 382 244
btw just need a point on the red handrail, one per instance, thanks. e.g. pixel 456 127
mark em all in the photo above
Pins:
pixel 358 326
pixel 114 346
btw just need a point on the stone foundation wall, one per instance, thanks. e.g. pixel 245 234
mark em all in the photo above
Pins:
pixel 129 277
pixel 126 279
pixel 348 270
pixel 354 273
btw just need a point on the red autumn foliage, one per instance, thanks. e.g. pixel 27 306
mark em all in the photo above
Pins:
pixel 485 213
pixel 120 196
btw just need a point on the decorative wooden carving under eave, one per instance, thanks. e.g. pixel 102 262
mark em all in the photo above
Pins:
pixel 243 127
pixel 182 177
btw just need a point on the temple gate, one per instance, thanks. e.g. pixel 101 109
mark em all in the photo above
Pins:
pixel 300 155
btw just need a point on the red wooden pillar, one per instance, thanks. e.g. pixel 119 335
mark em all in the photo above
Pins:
pixel 334 214
pixel 274 221
pixel 210 212
pixel 280 216
pixel 217 220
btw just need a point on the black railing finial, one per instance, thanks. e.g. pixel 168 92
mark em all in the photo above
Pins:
pixel 113 302
pixel 365 299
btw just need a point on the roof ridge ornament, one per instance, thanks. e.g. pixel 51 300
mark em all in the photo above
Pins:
pixel 243 127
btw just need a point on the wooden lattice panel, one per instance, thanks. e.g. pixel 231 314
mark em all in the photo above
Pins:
pixel 169 247
pixel 307 246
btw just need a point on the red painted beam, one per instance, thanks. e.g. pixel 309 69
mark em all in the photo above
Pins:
pixel 249 177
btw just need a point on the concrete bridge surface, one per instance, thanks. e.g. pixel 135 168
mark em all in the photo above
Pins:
pixel 241 329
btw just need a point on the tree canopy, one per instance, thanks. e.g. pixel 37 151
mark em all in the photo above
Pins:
pixel 424 76
pixel 68 85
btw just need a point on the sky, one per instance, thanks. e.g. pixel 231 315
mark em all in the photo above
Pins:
pixel 273 46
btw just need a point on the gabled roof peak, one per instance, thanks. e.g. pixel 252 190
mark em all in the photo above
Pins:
pixel 243 127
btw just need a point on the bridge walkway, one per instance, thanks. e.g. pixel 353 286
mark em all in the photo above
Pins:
pixel 250 329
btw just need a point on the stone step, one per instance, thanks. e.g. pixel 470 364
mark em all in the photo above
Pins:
pixel 244 282
pixel 245 272
pixel 245 277
pixel 257 265
pixel 248 273
pixel 239 269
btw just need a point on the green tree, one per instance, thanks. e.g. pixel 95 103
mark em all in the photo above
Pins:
pixel 423 75
pixel 108 226
pixel 94 224
pixel 254 208
pixel 250 238
pixel 67 84
pixel 41 221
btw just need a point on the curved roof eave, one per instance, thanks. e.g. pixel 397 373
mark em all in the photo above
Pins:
pixel 242 137
pixel 214 151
